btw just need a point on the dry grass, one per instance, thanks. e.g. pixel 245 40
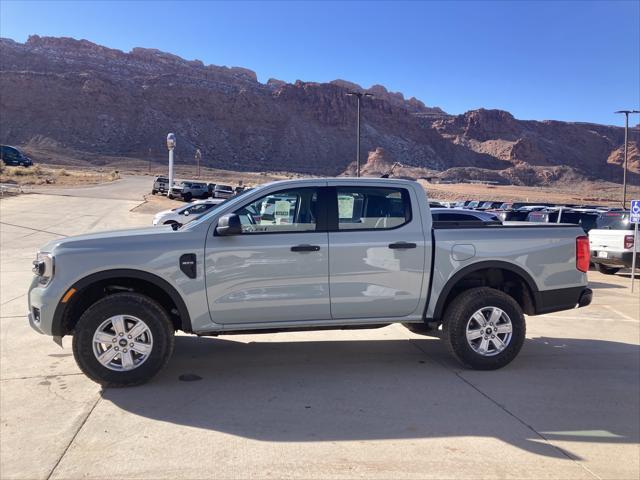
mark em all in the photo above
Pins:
pixel 41 175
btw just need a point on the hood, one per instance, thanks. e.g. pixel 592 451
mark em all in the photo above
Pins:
pixel 163 212
pixel 99 239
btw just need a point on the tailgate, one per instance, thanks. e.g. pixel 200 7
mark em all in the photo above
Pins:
pixel 608 240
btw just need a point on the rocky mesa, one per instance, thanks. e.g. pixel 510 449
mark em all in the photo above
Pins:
pixel 89 98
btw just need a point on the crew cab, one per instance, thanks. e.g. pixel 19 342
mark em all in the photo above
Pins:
pixel 338 253
pixel 188 190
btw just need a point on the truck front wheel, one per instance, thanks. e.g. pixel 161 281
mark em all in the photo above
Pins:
pixel 123 339
pixel 484 328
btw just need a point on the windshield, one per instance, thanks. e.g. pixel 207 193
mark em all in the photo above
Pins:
pixel 614 221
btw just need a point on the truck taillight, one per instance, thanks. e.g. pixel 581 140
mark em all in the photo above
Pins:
pixel 628 241
pixel 582 254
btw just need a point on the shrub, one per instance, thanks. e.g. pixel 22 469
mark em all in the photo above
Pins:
pixel 21 171
pixel 63 173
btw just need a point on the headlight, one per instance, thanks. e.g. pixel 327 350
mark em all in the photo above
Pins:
pixel 43 267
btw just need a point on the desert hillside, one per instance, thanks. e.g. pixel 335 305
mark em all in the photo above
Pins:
pixel 61 94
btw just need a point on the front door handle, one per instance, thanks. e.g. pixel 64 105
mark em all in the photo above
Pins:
pixel 399 245
pixel 305 248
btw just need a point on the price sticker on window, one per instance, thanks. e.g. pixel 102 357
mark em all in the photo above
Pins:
pixel 282 211
pixel 345 206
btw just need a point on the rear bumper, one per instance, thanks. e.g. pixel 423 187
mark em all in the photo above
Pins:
pixel 615 259
pixel 549 301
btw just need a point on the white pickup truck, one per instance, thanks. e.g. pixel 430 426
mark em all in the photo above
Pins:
pixel 333 253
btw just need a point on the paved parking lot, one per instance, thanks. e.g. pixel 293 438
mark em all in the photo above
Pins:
pixel 366 403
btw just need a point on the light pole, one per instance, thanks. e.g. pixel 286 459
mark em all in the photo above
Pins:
pixel 624 169
pixel 198 157
pixel 171 144
pixel 359 96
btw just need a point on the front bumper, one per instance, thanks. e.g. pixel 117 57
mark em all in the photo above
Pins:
pixel 615 259
pixel 42 305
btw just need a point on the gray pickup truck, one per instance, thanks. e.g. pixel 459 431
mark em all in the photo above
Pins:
pixel 333 253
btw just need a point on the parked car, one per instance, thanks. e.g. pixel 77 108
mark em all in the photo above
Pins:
pixel 188 190
pixel 612 242
pixel 519 214
pixel 488 205
pixel 564 215
pixel 14 157
pixel 460 215
pixel 476 204
pixel 506 206
pixel 186 213
pixel 347 252
pixel 160 185
pixel 223 191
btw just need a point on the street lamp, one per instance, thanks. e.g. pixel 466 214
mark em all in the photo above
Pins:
pixel 171 144
pixel 359 96
pixel 198 158
pixel 624 170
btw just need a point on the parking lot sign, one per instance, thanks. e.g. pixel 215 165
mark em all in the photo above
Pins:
pixel 634 217
pixel 635 211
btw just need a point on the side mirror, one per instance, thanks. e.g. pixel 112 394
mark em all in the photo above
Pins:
pixel 229 224
pixel 187 213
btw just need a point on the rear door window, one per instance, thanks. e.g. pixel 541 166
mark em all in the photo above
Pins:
pixel 372 208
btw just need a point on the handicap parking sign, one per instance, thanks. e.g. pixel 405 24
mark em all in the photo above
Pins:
pixel 635 211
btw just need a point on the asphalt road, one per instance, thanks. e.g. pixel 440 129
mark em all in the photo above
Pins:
pixel 366 403
pixel 130 187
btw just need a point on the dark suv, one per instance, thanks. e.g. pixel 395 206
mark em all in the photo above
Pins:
pixel 13 157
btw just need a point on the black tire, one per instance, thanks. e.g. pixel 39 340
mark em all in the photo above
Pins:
pixel 140 306
pixel 153 192
pixel 460 312
pixel 422 329
pixel 187 197
pixel 606 270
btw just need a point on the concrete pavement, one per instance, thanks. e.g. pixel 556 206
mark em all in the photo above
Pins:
pixel 334 404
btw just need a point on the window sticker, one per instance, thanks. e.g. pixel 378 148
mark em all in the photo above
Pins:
pixel 345 206
pixel 281 211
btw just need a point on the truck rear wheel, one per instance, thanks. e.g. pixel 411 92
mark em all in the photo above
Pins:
pixel 484 328
pixel 606 270
pixel 123 339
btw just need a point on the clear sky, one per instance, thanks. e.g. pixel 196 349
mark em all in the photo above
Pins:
pixel 575 60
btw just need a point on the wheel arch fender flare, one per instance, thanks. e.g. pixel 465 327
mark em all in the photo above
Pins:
pixel 484 265
pixel 58 325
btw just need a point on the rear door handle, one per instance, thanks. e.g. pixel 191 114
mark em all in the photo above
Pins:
pixel 305 248
pixel 399 245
